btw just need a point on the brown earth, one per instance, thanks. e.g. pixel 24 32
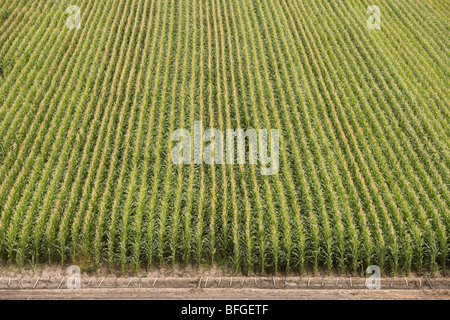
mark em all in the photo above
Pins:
pixel 224 294
pixel 51 283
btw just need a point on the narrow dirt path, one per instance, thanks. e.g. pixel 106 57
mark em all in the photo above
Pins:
pixel 224 294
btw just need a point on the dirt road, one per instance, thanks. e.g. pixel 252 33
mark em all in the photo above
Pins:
pixel 224 294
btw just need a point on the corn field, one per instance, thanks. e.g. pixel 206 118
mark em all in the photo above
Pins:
pixel 87 114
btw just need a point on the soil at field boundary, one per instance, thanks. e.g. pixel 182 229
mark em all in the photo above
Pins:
pixel 224 294
pixel 184 283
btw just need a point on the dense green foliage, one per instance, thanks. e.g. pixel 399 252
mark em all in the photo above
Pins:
pixel 86 117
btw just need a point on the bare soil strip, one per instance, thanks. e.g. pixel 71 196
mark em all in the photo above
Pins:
pixel 223 294
pixel 161 287
pixel 23 282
